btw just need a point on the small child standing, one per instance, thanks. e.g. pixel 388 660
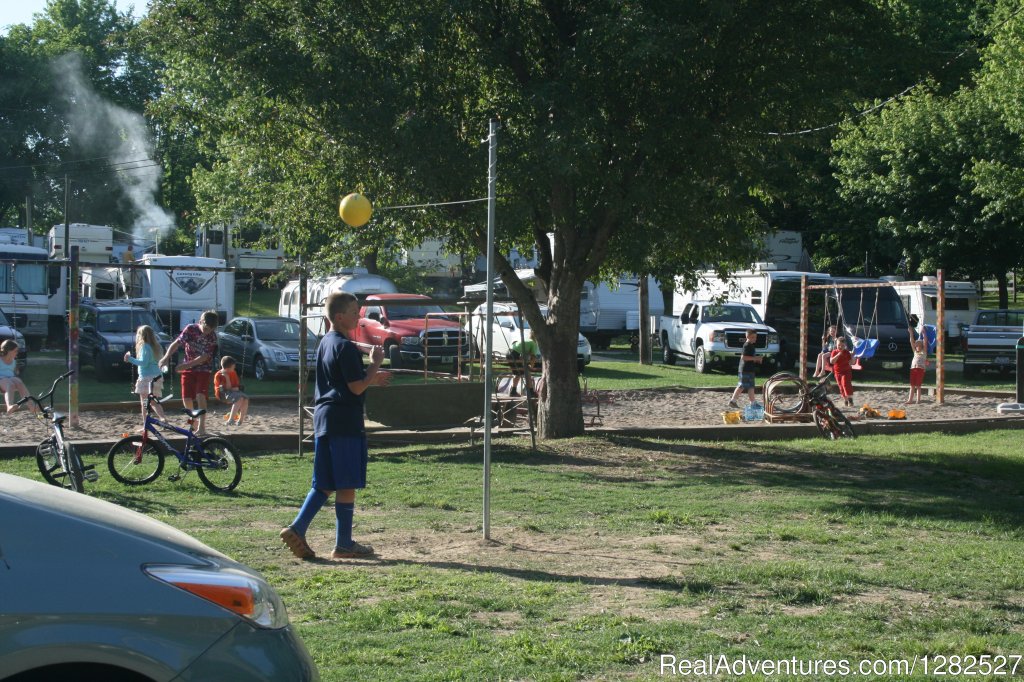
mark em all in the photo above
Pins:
pixel 747 369
pixel 227 388
pixel 9 381
pixel 147 350
pixel 917 366
pixel 840 360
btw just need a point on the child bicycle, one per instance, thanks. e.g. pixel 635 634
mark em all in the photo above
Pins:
pixel 139 459
pixel 832 423
pixel 56 457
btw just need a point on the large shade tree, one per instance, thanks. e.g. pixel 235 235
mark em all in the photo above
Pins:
pixel 632 132
pixel 940 174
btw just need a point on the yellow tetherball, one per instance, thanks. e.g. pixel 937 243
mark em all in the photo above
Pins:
pixel 355 210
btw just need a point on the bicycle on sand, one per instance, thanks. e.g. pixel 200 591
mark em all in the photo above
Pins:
pixel 831 422
pixel 56 456
pixel 138 459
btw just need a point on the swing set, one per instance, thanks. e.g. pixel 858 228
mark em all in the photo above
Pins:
pixel 864 333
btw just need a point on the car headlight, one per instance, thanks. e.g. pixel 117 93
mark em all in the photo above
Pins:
pixel 280 356
pixel 716 337
pixel 244 594
pixel 773 339
pixel 583 344
pixel 412 341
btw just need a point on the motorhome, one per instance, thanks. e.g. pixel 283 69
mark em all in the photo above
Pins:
pixel 184 286
pixel 356 281
pixel 775 294
pixel 95 242
pixel 922 300
pixel 229 243
pixel 23 294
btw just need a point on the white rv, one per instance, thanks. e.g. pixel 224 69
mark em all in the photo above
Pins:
pixel 23 290
pixel 190 286
pixel 95 242
pixel 922 300
pixel 775 294
pixel 617 311
pixel 353 280
pixel 225 242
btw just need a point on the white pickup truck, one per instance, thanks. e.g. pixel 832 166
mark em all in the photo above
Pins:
pixel 990 342
pixel 713 334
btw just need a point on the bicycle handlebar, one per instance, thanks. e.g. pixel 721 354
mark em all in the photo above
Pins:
pixel 49 394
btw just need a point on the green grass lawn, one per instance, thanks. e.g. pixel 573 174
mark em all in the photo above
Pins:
pixel 608 553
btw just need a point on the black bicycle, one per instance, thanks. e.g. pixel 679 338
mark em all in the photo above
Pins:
pixel 56 456
pixel 139 459
pixel 831 422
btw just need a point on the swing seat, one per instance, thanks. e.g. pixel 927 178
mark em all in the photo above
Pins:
pixel 864 348
pixel 856 364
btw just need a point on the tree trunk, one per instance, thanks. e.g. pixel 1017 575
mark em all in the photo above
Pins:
pixel 645 321
pixel 563 416
pixel 1004 291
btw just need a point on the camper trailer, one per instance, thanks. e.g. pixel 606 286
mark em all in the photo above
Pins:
pixel 95 242
pixel 356 281
pixel 922 300
pixel 775 294
pixel 190 286
pixel 228 244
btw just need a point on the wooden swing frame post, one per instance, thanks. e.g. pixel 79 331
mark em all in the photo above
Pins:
pixel 940 342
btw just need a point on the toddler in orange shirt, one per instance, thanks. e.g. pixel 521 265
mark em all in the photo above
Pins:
pixel 227 388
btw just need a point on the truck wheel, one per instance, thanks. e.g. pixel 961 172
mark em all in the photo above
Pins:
pixel 667 354
pixel 700 361
pixel 395 356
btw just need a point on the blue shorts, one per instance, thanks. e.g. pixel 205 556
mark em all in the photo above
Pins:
pixel 339 462
pixel 747 380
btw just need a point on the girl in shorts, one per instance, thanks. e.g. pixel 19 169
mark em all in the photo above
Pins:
pixel 147 350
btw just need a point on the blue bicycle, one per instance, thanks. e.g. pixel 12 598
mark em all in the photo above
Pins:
pixel 139 459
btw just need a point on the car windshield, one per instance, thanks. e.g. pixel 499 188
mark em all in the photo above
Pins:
pixel 412 312
pixel 732 313
pixel 281 330
pixel 864 307
pixel 125 321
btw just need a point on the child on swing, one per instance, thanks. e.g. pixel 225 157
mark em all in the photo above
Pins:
pixel 227 388
pixel 147 350
pixel 828 344
pixel 919 344
pixel 9 381
pixel 840 361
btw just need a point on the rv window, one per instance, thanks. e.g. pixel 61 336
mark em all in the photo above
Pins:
pixel 214 237
pixel 952 303
pixel 755 297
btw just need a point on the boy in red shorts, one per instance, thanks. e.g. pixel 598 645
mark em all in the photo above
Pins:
pixel 200 344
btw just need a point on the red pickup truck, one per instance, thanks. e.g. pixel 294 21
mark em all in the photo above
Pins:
pixel 411 331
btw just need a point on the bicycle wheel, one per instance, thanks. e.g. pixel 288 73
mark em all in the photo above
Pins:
pixel 73 467
pixel 844 425
pixel 133 463
pixel 49 464
pixel 826 425
pixel 220 467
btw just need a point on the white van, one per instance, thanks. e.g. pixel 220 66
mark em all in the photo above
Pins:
pixel 922 300
pixel 356 281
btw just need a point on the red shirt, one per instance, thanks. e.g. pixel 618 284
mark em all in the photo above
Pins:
pixel 840 361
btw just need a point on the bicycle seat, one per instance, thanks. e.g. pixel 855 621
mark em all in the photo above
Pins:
pixel 58 417
pixel 192 414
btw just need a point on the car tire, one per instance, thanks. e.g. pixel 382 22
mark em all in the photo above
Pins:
pixel 259 368
pixel 668 356
pixel 700 360
pixel 394 355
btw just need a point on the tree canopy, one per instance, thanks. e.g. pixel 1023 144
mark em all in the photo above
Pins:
pixel 635 133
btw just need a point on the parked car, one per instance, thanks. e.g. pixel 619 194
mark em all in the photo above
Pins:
pixel 107 330
pixel 265 346
pixel 115 595
pixel 7 332
pixel 506 332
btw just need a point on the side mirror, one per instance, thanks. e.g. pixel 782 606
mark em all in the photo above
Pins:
pixel 374 316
